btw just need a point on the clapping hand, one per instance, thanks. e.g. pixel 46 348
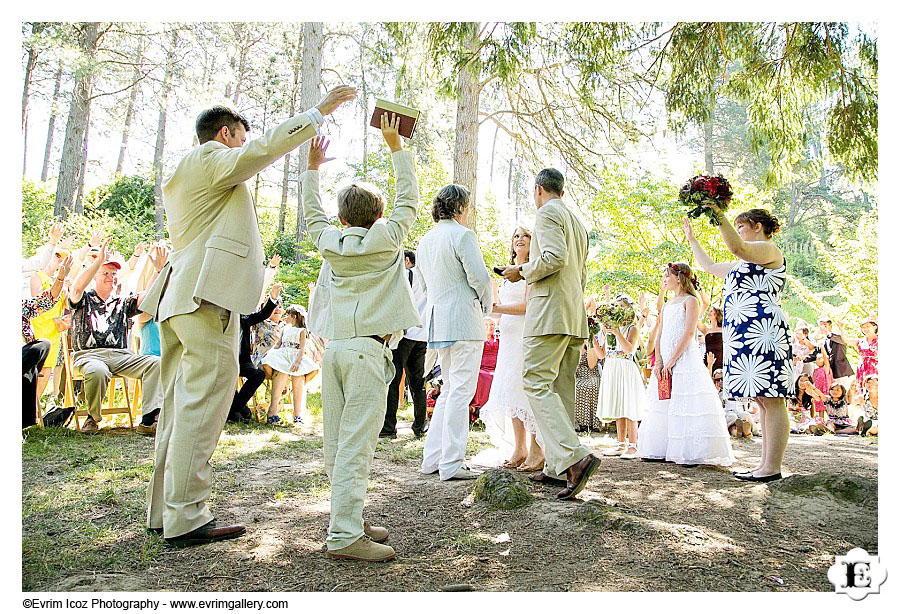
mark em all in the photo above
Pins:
pixel 390 129
pixel 275 260
pixel 318 148
pixel 335 98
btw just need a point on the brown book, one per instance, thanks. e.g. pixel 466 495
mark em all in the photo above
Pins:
pixel 409 117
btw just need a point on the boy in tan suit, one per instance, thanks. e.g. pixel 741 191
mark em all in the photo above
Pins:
pixel 370 305
pixel 214 274
pixel 555 328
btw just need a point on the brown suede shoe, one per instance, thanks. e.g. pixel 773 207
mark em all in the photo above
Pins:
pixel 379 535
pixel 90 426
pixel 206 534
pixel 542 478
pixel 143 429
pixel 364 549
pixel 577 476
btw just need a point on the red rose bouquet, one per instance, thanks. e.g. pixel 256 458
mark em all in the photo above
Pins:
pixel 701 191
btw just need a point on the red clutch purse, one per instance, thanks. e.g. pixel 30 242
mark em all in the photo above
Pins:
pixel 665 388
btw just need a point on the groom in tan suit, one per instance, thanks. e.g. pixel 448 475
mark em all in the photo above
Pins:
pixel 555 328
pixel 214 274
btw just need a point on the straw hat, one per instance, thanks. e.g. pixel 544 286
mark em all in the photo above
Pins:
pixel 871 319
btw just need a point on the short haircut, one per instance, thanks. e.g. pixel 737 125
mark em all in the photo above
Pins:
pixel 551 180
pixel 411 255
pixel 210 121
pixel 449 202
pixel 360 204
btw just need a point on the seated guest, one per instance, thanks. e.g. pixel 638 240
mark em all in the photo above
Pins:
pixel 47 324
pixel 35 351
pixel 288 360
pixel 738 418
pixel 486 370
pixel 265 335
pixel 805 395
pixel 868 422
pixel 100 323
pixel 42 257
pixel 253 375
pixel 838 411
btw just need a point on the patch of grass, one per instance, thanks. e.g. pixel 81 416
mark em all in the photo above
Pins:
pixel 464 541
pixel 607 518
pixel 400 450
pixel 850 488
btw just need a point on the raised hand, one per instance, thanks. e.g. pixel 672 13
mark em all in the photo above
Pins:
pixel 64 268
pixel 318 148
pixel 67 242
pixel 56 232
pixel 390 128
pixel 96 238
pixel 275 291
pixel 104 249
pixel 710 358
pixel 335 98
pixel 138 250
pixel 158 256
pixel 275 260
pixel 688 230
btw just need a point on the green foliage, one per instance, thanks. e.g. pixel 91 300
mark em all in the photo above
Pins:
pixel 284 244
pixel 295 278
pixel 37 214
pixel 129 196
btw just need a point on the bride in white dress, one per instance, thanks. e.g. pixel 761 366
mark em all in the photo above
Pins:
pixel 507 415
pixel 689 428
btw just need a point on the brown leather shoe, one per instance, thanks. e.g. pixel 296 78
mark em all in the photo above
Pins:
pixel 577 476
pixel 206 534
pixel 542 478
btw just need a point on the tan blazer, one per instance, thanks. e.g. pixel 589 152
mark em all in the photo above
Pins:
pixel 217 254
pixel 366 292
pixel 557 273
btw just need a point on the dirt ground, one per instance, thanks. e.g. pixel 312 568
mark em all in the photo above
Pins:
pixel 685 529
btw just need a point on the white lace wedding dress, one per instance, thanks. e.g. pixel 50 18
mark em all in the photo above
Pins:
pixel 690 427
pixel 507 399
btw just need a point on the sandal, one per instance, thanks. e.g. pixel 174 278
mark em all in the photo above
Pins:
pixel 510 465
pixel 619 450
pixel 532 468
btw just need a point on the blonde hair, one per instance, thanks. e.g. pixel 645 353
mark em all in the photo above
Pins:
pixel 512 244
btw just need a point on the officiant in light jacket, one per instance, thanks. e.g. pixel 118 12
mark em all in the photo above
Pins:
pixel 214 274
pixel 458 295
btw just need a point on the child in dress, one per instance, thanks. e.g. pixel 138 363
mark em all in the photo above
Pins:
pixel 689 428
pixel 822 380
pixel 838 411
pixel 621 397
pixel 287 359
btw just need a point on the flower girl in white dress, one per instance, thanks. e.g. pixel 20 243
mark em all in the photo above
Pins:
pixel 288 359
pixel 689 428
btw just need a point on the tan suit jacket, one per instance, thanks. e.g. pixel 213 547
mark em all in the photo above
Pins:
pixel 556 270
pixel 365 289
pixel 217 254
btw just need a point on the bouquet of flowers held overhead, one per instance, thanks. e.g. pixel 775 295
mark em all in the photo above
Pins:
pixel 613 315
pixel 703 190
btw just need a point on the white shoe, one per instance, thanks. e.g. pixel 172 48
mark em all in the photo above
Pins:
pixel 632 455
pixel 464 473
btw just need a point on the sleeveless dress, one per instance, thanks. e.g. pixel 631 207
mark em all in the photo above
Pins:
pixel 622 393
pixel 587 389
pixel 868 351
pixel 281 359
pixel 44 326
pixel 756 339
pixel 688 428
pixel 507 399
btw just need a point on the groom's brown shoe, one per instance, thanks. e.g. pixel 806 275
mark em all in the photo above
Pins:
pixel 208 533
pixel 542 478
pixel 577 476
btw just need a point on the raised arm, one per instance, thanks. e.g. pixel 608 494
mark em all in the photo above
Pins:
pixel 84 278
pixel 554 251
pixel 406 204
pixel 228 167
pixel 763 253
pixel 158 257
pixel 718 269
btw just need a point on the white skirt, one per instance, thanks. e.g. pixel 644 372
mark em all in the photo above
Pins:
pixel 689 428
pixel 281 359
pixel 622 393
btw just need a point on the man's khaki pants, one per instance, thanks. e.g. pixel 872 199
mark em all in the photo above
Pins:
pixel 101 364
pixel 549 382
pixel 199 370
pixel 355 377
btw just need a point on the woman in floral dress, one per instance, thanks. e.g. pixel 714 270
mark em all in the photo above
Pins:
pixel 756 338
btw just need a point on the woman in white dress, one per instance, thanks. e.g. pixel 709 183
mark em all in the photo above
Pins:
pixel 286 360
pixel 507 415
pixel 622 395
pixel 689 428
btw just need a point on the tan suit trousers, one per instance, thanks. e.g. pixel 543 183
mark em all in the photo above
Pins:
pixel 549 382
pixel 199 370
pixel 99 365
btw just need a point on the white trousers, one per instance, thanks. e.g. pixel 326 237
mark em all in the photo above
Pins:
pixel 445 442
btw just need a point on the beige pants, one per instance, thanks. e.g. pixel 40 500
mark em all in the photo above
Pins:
pixel 199 369
pixel 99 365
pixel 355 377
pixel 549 381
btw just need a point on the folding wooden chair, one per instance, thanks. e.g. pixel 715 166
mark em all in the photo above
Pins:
pixel 73 375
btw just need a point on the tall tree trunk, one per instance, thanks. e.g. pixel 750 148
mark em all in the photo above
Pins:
pixel 159 220
pixel 30 65
pixel 465 150
pixel 286 177
pixel 708 143
pixel 364 104
pixel 310 77
pixel 71 161
pixel 79 198
pixel 238 67
pixel 51 127
pixel 132 99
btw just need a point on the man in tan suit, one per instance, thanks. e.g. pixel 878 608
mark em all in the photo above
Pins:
pixel 370 305
pixel 555 328
pixel 214 274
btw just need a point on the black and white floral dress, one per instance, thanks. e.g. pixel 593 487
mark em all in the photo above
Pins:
pixel 756 338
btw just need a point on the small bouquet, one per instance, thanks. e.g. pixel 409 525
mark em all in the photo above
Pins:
pixel 614 315
pixel 703 190
pixel 594 324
